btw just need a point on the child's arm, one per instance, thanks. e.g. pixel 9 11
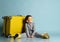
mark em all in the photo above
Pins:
pixel 33 30
pixel 27 31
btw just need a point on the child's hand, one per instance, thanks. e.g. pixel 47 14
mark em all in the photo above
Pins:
pixel 32 36
pixel 29 36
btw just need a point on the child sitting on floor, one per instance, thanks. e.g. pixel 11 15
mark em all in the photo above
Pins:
pixel 29 25
pixel 30 31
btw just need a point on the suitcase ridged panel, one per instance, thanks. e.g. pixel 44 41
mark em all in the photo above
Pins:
pixel 13 25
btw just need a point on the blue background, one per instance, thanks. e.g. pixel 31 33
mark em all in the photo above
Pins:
pixel 46 13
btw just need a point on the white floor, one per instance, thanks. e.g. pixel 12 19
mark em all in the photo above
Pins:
pixel 25 39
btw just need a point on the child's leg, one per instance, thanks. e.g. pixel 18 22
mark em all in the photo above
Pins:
pixel 27 35
pixel 44 36
pixel 38 35
pixel 32 33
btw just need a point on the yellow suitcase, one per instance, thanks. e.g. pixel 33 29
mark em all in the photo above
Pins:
pixel 13 25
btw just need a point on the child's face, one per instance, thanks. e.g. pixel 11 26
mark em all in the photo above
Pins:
pixel 29 19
